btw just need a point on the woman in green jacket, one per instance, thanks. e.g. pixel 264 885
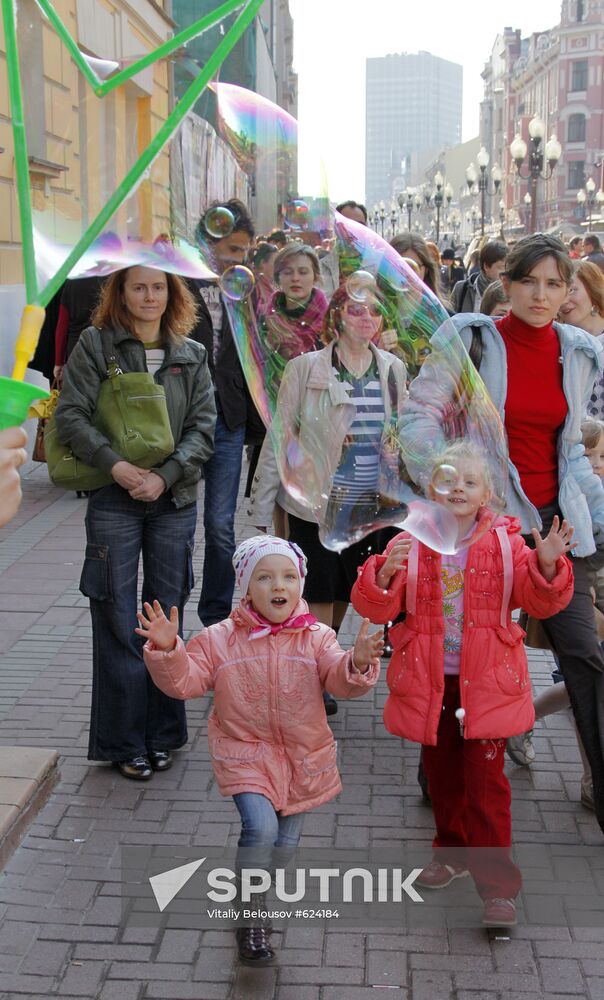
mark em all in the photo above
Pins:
pixel 145 316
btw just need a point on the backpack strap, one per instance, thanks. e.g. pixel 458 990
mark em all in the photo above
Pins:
pixel 508 572
pixel 412 572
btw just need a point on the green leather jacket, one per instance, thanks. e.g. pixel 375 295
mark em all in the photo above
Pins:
pixel 186 380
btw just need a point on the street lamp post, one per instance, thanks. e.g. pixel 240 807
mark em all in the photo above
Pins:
pixel 473 177
pixel 501 219
pixel 382 216
pixel 376 217
pixel 407 201
pixel 587 196
pixel 553 151
pixel 528 201
pixel 393 218
pixel 438 201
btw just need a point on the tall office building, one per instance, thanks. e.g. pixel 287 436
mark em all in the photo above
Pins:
pixel 413 107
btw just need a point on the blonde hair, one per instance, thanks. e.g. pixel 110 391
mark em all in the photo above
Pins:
pixel 591 432
pixel 465 451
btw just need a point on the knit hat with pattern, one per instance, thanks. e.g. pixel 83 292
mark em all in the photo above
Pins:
pixel 253 549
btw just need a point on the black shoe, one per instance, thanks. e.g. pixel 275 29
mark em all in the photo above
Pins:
pixel 330 703
pixel 254 946
pixel 160 760
pixel 137 768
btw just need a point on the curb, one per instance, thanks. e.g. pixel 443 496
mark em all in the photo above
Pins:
pixel 27 777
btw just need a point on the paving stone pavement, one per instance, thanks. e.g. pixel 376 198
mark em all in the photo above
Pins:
pixel 60 932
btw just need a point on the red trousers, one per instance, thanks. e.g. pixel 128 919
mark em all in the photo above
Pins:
pixel 471 801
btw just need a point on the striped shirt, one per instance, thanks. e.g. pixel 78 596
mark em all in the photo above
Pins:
pixel 154 355
pixel 356 477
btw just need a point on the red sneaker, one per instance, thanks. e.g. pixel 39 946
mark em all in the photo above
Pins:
pixel 437 876
pixel 499 913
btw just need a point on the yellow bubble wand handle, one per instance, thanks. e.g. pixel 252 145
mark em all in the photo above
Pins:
pixel 29 334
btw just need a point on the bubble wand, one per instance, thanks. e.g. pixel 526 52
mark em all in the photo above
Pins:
pixel 15 394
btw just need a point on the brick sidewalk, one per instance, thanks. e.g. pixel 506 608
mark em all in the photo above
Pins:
pixel 59 896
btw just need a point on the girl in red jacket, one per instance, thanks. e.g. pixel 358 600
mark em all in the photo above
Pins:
pixel 458 678
pixel 268 664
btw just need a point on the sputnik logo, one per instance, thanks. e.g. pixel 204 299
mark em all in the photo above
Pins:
pixel 168 884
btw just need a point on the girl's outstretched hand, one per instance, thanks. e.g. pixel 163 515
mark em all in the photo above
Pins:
pixel 160 630
pixel 367 648
pixel 557 543
pixel 397 557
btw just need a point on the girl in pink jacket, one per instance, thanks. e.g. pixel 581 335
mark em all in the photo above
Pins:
pixel 268 664
pixel 458 677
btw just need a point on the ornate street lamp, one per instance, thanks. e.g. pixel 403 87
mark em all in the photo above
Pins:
pixel 393 217
pixel 439 196
pixel 528 201
pixel 376 217
pixel 406 201
pixel 474 177
pixel 382 216
pixel 587 196
pixel 501 218
pixel 553 152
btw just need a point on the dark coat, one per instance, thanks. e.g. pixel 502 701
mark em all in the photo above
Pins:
pixel 233 399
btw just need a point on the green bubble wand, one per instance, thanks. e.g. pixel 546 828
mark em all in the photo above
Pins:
pixel 15 394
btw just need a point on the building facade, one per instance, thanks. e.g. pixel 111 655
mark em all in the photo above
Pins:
pixel 262 61
pixel 413 109
pixel 557 74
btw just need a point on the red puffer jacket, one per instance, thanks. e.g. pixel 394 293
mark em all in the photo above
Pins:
pixel 501 573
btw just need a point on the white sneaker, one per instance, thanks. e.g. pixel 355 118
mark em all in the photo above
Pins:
pixel 520 749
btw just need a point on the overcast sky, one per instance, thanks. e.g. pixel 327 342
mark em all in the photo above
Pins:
pixel 332 40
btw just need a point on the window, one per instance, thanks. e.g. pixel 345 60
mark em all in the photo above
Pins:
pixel 576 174
pixel 579 75
pixel 576 128
pixel 580 10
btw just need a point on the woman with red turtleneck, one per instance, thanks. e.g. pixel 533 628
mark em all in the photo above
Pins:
pixel 539 374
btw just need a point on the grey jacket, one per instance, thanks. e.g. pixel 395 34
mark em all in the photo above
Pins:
pixel 313 399
pixel 581 496
pixel 189 398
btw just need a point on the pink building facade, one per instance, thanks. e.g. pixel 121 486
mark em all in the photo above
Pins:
pixel 558 75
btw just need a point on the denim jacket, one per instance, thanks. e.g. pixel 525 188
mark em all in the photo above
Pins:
pixel 581 497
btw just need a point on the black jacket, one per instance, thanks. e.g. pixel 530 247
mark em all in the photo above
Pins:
pixel 233 399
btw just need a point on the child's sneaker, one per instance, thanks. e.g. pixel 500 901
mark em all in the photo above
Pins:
pixel 520 749
pixel 499 913
pixel 437 876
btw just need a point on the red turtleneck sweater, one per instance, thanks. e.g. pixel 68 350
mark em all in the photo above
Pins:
pixel 535 406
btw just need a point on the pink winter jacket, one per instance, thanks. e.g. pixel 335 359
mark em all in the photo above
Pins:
pixel 267 731
pixel 501 573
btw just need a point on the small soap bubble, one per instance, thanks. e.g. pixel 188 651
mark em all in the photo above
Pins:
pixel 219 222
pixel 237 282
pixel 361 286
pixel 444 479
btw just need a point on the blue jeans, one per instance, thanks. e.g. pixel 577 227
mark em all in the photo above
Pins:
pixel 129 714
pixel 221 475
pixel 266 836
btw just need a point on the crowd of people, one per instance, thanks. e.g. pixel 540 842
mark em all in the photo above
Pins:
pixel 532 318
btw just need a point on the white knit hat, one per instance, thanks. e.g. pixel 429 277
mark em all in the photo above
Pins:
pixel 253 549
